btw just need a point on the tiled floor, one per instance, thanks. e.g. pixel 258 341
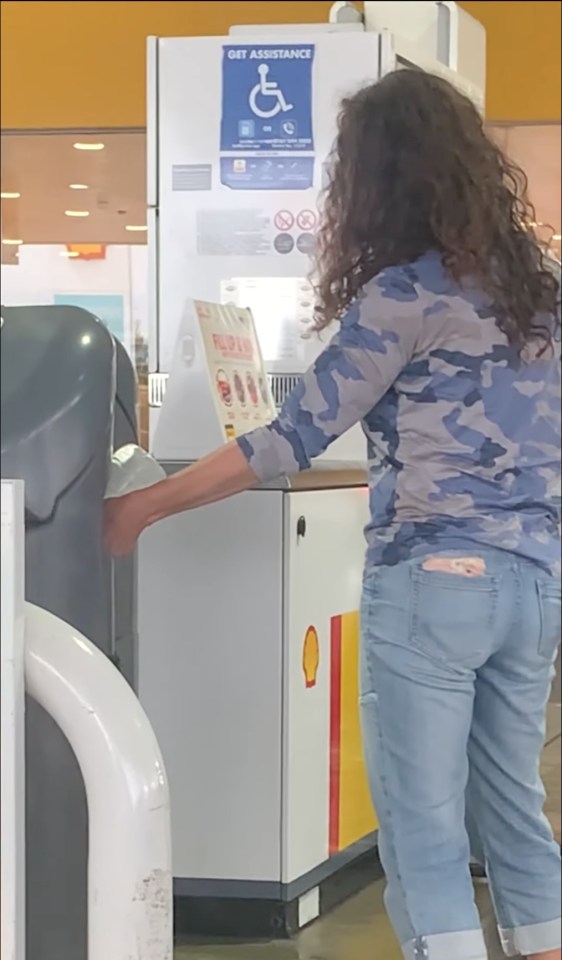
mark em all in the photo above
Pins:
pixel 359 929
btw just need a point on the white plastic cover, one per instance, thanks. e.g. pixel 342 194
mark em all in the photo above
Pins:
pixel 132 468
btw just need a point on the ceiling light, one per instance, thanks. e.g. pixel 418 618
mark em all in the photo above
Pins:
pixel 10 196
pixel 77 213
pixel 89 146
pixel 70 254
pixel 78 186
pixel 136 229
pixel 12 243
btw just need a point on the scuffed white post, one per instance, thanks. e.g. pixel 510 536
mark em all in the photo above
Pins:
pixel 12 726
pixel 130 870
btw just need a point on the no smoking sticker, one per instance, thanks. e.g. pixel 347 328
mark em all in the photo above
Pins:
pixel 306 220
pixel 284 220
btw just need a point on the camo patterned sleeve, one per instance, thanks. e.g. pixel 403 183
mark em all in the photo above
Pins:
pixel 375 341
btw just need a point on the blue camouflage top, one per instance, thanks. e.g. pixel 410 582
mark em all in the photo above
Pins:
pixel 463 436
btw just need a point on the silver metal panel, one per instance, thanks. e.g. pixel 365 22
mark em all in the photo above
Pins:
pixel 210 679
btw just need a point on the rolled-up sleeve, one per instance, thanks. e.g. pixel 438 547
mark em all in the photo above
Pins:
pixel 375 341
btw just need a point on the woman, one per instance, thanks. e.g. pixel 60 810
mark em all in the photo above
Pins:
pixel 448 353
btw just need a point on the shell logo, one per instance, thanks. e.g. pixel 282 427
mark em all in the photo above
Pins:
pixel 311 657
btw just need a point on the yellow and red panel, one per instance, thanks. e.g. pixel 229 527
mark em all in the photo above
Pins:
pixel 351 811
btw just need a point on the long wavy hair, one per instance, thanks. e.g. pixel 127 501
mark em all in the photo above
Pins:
pixel 413 170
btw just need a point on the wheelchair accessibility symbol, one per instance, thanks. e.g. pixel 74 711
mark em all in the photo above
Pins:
pixel 266 99
pixel 267 118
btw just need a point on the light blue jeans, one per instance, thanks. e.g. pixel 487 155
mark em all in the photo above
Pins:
pixel 455 678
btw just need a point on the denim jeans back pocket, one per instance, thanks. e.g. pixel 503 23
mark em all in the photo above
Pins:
pixel 453 617
pixel 550 607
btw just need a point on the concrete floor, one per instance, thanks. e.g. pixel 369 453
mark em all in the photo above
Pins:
pixel 359 930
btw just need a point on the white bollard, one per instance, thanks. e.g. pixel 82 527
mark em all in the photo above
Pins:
pixel 130 869
pixel 12 727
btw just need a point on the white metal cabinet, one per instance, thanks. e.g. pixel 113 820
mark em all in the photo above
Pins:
pixel 226 597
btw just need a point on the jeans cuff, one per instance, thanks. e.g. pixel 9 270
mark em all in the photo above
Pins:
pixel 466 945
pixel 536 938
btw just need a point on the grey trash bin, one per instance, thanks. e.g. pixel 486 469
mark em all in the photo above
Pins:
pixel 58 414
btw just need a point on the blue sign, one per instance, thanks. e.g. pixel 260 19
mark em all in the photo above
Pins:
pixel 267 109
pixel 107 307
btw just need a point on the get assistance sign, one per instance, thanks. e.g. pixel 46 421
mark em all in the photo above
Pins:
pixel 267 98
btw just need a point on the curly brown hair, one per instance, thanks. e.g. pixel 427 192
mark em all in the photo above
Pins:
pixel 413 170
